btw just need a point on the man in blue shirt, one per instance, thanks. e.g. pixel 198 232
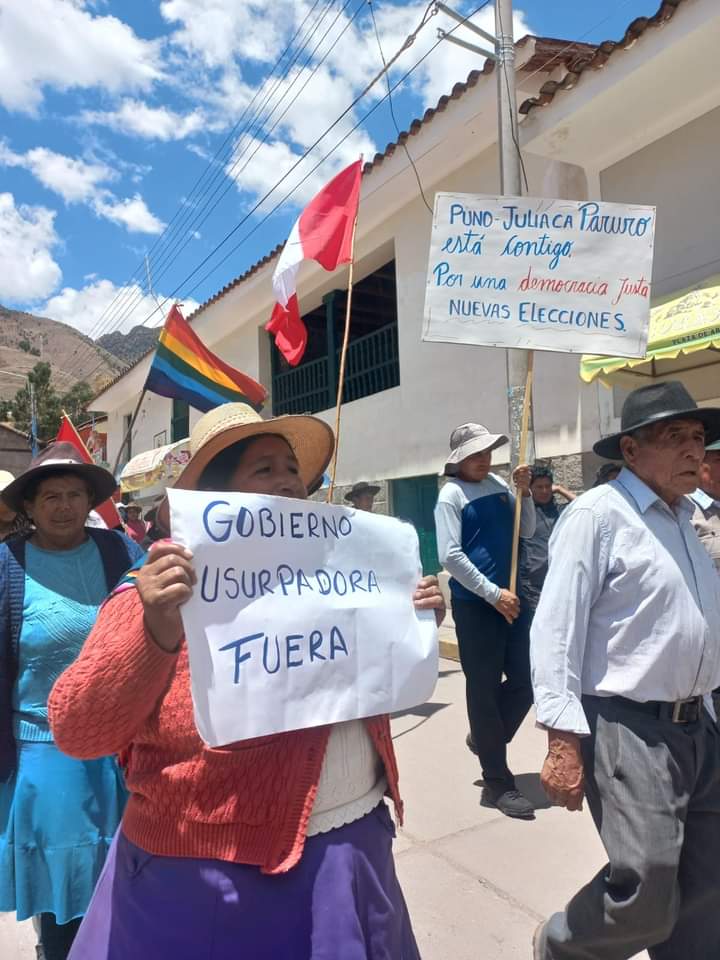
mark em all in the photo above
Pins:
pixel 474 523
pixel 625 653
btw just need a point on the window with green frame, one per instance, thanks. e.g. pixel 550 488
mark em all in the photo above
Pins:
pixel 179 421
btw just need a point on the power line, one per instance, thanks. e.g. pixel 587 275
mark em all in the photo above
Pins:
pixel 201 217
pixel 213 166
pixel 407 43
pixel 392 109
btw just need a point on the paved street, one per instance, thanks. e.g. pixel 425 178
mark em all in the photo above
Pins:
pixel 476 882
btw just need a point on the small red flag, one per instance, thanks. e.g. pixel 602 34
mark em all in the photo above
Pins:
pixel 107 510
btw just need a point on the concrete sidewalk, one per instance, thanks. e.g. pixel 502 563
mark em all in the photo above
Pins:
pixel 476 883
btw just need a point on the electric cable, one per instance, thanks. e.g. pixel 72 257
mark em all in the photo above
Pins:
pixel 214 164
pixel 392 110
pixel 406 44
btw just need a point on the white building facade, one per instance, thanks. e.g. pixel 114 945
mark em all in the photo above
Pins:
pixel 639 123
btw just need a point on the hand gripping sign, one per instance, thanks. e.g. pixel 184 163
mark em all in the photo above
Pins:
pixel 302 614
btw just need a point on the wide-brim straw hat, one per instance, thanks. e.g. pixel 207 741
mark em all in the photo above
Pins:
pixel 60 457
pixel 311 439
pixel 466 440
pixel 658 403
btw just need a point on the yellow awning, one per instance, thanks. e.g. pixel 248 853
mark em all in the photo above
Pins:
pixel 684 337
pixel 162 465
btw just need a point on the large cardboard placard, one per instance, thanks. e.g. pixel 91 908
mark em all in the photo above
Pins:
pixel 302 614
pixel 564 275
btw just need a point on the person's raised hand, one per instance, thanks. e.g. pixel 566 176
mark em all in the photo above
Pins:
pixel 521 477
pixel 562 775
pixel 428 596
pixel 508 605
pixel 164 583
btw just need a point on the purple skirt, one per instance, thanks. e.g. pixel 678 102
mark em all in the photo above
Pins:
pixel 342 901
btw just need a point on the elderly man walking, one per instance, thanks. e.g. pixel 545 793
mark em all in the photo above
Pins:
pixel 625 652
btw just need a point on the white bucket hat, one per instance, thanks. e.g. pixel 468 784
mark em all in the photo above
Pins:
pixel 467 439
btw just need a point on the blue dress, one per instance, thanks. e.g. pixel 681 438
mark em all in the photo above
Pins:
pixel 58 815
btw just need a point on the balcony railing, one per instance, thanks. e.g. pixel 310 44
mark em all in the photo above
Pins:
pixel 372 365
pixel 302 390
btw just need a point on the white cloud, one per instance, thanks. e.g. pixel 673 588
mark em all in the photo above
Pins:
pixel 131 213
pixel 258 29
pixel 60 44
pixel 85 308
pixel 77 181
pixel 74 180
pixel 137 118
pixel 27 239
pixel 275 159
pixel 310 98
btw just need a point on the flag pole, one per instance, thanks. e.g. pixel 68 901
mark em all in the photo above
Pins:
pixel 129 430
pixel 343 356
pixel 522 455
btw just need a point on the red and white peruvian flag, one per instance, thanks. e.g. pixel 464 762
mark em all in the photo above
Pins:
pixel 323 232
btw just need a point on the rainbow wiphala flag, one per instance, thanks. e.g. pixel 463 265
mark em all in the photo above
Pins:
pixel 184 369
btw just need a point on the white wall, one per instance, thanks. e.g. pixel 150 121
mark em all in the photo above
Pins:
pixel 679 175
pixel 404 431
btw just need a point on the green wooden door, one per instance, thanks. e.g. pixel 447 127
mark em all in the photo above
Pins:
pixel 413 499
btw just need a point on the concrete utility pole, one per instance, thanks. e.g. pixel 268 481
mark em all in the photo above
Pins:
pixel 510 185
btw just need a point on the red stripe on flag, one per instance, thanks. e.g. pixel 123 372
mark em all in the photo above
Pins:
pixel 326 223
pixel 290 332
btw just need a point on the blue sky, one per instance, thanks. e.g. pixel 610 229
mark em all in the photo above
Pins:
pixel 112 111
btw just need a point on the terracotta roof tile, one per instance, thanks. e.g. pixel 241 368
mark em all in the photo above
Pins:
pixel 597 57
pixel 548 53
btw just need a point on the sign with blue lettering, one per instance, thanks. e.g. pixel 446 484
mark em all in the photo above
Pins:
pixel 302 614
pixel 565 275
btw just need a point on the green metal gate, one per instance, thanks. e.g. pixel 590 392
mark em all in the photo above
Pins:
pixel 413 499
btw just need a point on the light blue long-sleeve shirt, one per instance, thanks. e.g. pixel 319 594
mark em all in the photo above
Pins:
pixel 630 606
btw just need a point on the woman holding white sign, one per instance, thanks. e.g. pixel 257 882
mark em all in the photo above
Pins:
pixel 278 847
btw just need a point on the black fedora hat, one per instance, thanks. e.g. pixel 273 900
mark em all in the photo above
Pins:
pixel 360 488
pixel 60 457
pixel 654 403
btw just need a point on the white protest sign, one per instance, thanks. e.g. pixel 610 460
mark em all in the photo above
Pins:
pixel 302 614
pixel 540 274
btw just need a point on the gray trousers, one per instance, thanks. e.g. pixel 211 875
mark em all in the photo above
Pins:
pixel 653 788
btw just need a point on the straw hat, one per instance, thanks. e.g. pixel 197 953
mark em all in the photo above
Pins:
pixel 311 439
pixel 60 457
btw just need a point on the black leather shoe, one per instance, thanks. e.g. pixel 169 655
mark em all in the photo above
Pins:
pixel 511 802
